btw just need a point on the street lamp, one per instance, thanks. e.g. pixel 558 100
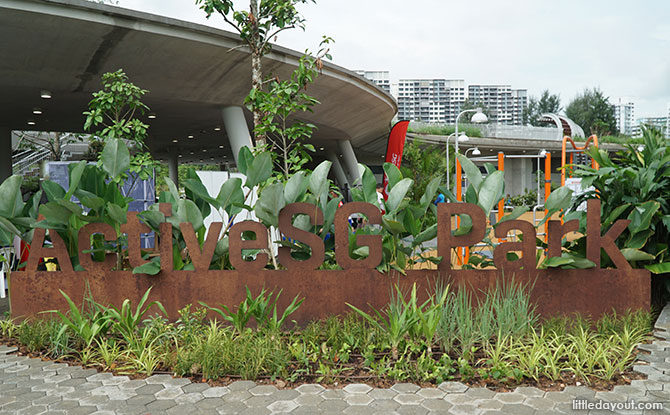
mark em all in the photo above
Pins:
pixel 475 151
pixel 478 118
pixel 461 138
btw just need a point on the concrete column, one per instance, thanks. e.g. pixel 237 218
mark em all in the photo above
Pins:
pixel 173 166
pixel 518 176
pixel 338 170
pixel 236 128
pixel 5 153
pixel 350 162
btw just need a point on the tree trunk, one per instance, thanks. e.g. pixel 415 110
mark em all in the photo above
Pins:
pixel 57 147
pixel 256 68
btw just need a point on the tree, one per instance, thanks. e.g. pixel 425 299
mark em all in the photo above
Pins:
pixel 114 110
pixel 257 26
pixel 593 112
pixel 548 103
pixel 278 106
pixel 40 141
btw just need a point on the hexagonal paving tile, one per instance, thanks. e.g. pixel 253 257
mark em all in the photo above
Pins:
pixel 358 399
pixel 282 406
pixel 408 399
pixel 310 388
pixel 357 388
pixel 405 387
pixel 262 390
pixel 453 387
pixel 431 393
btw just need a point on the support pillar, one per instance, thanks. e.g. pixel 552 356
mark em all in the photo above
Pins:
pixel 173 166
pixel 350 162
pixel 237 129
pixel 5 153
pixel 338 170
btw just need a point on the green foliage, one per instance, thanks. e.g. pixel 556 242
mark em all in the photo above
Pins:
pixel 547 103
pixel 112 117
pixel 125 320
pixel 496 338
pixel 263 308
pixel 644 242
pixel 592 111
pixel 469 130
pixel 279 106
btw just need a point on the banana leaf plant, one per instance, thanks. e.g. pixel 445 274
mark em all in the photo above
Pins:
pixel 634 184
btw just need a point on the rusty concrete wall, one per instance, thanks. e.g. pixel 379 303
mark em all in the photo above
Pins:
pixel 590 291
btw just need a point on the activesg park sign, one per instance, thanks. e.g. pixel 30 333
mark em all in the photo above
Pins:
pixel 555 291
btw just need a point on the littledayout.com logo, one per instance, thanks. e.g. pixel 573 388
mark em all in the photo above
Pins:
pixel 586 405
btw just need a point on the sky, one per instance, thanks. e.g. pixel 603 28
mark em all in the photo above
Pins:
pixel 565 46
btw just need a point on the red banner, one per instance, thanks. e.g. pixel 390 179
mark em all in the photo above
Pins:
pixel 394 149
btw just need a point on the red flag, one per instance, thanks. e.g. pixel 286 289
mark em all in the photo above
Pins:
pixel 394 149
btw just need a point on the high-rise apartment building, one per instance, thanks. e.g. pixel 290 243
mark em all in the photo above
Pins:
pixel 430 100
pixel 505 105
pixel 380 78
pixel 662 123
pixel 624 112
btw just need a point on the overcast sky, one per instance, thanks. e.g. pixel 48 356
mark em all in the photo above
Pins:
pixel 623 47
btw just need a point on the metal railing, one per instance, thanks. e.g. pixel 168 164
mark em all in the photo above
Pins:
pixel 495 130
pixel 22 164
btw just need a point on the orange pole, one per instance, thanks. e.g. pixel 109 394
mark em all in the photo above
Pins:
pixel 459 197
pixel 594 163
pixel 501 167
pixel 565 141
pixel 547 187
pixel 572 161
pixel 459 182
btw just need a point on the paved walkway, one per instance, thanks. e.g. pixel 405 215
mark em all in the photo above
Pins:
pixel 32 386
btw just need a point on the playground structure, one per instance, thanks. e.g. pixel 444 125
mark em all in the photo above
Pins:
pixel 565 169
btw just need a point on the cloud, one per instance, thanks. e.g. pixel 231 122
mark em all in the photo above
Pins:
pixel 561 46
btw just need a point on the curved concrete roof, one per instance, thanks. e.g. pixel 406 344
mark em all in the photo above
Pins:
pixel 191 71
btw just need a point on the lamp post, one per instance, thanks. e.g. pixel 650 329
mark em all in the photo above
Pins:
pixel 478 118
pixel 475 151
pixel 463 138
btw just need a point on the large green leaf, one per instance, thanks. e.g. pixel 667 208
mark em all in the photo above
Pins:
pixel 200 190
pixel 53 190
pixel 661 268
pixel 115 157
pixel 491 191
pixel 244 160
pixel 369 184
pixel 89 199
pixel 559 199
pixel 187 211
pixel 392 174
pixel 429 194
pixel 231 195
pixel 55 214
pixel 9 227
pixel 556 262
pixel 514 214
pixel 116 213
pixel 329 215
pixel 397 194
pixel 11 201
pixel 75 177
pixel 296 187
pixel 426 235
pixel 632 254
pixel 260 170
pixel 392 226
pixel 642 215
pixel 269 203
pixel 150 268
pixel 318 182
pixel 174 192
pixel 471 171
